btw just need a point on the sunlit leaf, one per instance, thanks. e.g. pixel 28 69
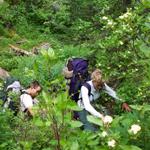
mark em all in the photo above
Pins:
pixel 51 53
pixel 137 107
pixel 95 120
pixel 129 147
pixel 75 146
pixel 76 124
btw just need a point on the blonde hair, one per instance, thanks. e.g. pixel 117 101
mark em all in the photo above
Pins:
pixel 96 76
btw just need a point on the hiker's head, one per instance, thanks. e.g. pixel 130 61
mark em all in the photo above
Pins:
pixel 68 70
pixel 68 74
pixel 35 88
pixel 96 77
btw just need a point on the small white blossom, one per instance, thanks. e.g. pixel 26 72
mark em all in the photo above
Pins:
pixel 108 119
pixel 135 128
pixel 124 27
pixel 104 18
pixel 112 143
pixel 110 22
pixel 125 15
pixel 99 64
pixel 121 17
pixel 104 134
pixel 120 42
pixel 128 52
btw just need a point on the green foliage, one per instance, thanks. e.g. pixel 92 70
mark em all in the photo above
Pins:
pixel 113 35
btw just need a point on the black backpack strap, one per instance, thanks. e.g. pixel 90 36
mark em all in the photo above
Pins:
pixel 24 92
pixel 88 86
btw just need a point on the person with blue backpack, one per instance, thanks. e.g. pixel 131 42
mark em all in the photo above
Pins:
pixel 90 91
pixel 76 73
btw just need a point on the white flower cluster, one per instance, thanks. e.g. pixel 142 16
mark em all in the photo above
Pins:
pixel 104 134
pixel 112 143
pixel 108 119
pixel 110 23
pixel 105 18
pixel 135 128
pixel 126 15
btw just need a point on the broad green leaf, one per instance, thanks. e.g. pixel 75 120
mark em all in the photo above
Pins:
pixel 129 147
pixel 76 124
pixel 142 108
pixel 74 108
pixel 44 53
pixel 93 142
pixel 45 96
pixel 51 53
pixel 146 3
pixel 95 120
pixel 75 146
pixel 92 137
pixel 116 121
pixel 145 108
pixel 137 107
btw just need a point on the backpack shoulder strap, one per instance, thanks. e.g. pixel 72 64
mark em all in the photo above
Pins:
pixel 23 92
pixel 88 86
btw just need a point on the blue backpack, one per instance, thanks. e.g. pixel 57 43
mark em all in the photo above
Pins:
pixel 80 76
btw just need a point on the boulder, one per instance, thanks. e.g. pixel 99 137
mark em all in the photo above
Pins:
pixel 3 73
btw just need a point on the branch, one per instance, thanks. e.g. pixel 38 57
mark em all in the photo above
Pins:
pixel 20 52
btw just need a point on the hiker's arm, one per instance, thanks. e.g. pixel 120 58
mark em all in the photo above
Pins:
pixel 110 92
pixel 27 103
pixel 113 94
pixel 30 112
pixel 86 102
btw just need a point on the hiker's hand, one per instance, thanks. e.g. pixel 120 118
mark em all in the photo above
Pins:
pixel 126 107
pixel 107 120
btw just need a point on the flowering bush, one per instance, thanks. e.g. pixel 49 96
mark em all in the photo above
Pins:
pixel 135 129
pixel 112 143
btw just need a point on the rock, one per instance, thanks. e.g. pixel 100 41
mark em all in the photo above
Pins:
pixel 3 74
pixel 1 1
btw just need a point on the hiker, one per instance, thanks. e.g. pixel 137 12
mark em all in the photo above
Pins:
pixel 28 100
pixel 76 73
pixel 9 94
pixel 90 91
